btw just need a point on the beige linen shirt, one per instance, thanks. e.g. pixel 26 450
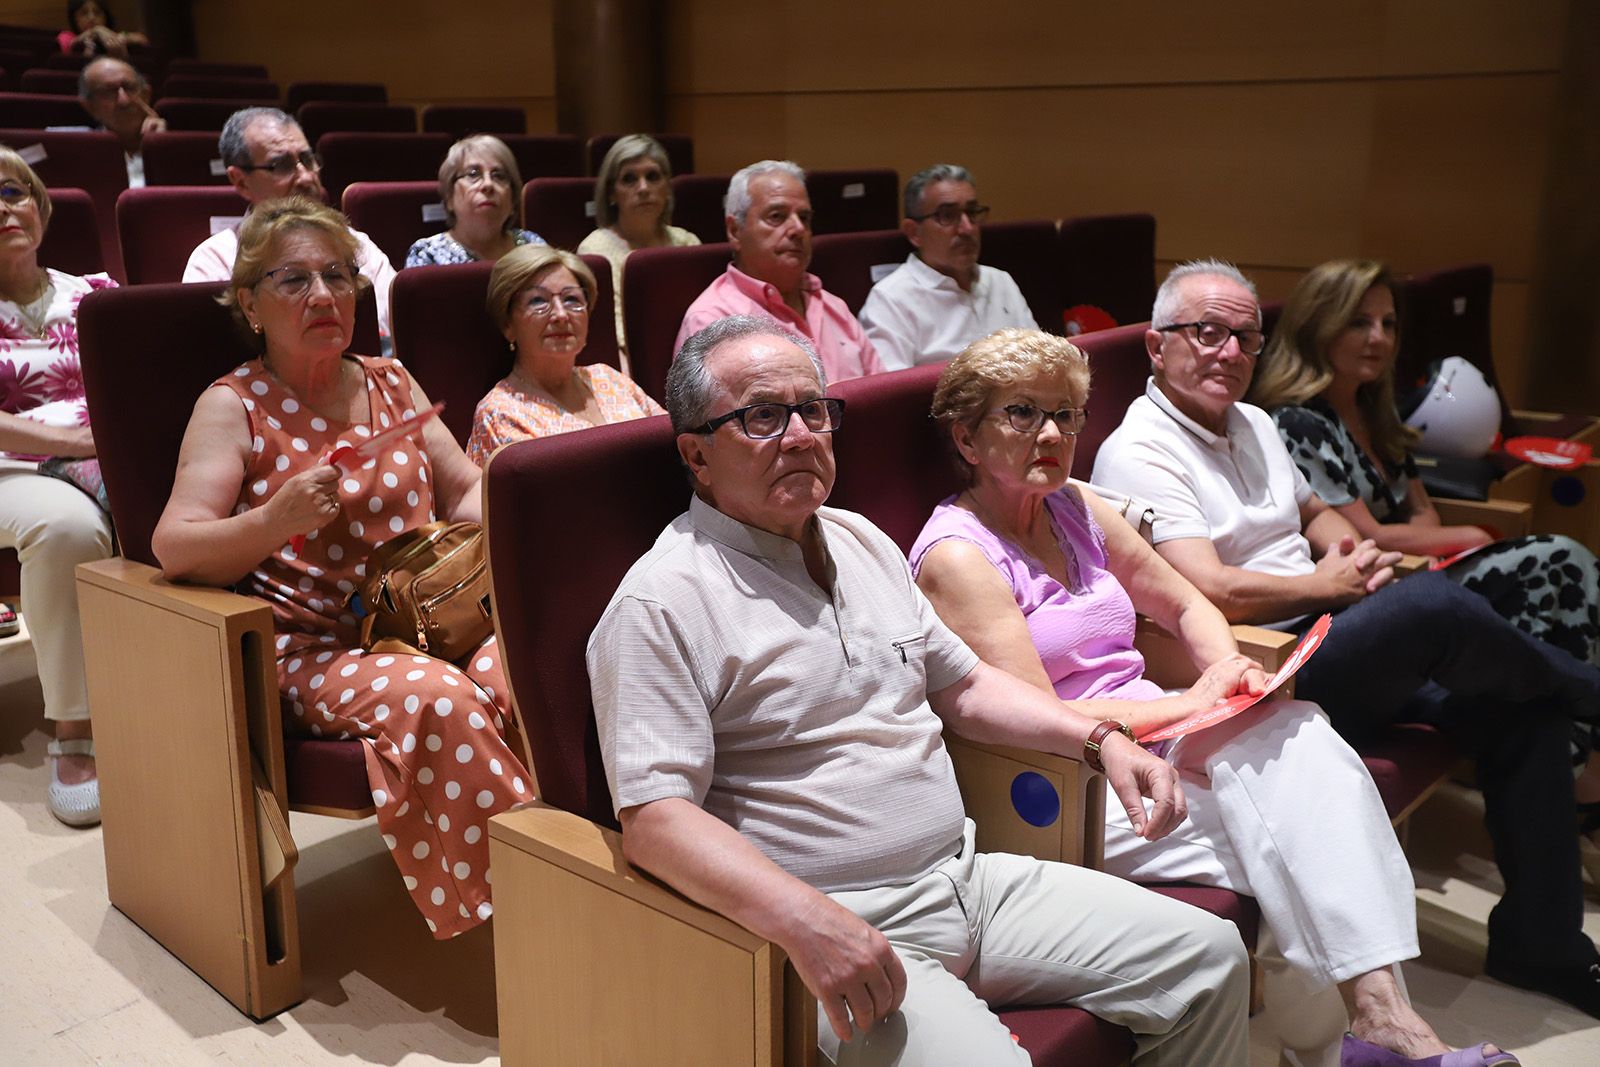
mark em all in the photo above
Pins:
pixel 724 675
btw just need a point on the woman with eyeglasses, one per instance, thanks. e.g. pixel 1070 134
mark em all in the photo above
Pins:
pixel 481 189
pixel 1043 578
pixel 632 210
pixel 51 523
pixel 256 505
pixel 540 298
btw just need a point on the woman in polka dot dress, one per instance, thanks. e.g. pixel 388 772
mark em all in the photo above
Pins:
pixel 251 477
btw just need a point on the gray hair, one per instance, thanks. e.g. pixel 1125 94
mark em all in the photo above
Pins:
pixel 1166 303
pixel 231 146
pixel 939 172
pixel 737 202
pixel 690 385
pixel 83 74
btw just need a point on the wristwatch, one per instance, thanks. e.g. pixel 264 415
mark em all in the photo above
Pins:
pixel 1091 747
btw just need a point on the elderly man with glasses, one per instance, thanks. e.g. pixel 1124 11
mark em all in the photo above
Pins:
pixel 941 299
pixel 267 158
pixel 117 97
pixel 1234 515
pixel 770 688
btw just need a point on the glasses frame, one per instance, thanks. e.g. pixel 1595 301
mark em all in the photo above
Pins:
pixel 836 404
pixel 975 214
pixel 503 181
pixel 335 286
pixel 27 192
pixel 295 163
pixel 1237 335
pixel 1079 415
pixel 523 300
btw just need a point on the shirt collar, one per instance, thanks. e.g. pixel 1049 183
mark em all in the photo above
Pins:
pixel 1153 392
pixel 766 292
pixel 741 537
pixel 933 279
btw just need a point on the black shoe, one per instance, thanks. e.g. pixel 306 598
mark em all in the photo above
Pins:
pixel 1578 984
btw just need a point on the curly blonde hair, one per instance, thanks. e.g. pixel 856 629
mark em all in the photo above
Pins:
pixel 262 231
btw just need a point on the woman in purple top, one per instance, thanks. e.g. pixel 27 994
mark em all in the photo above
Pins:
pixel 1044 578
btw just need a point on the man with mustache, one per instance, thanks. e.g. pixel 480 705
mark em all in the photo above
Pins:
pixel 769 226
pixel 1236 517
pixel 770 688
pixel 941 299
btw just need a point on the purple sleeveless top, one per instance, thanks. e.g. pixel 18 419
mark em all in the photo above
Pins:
pixel 1084 634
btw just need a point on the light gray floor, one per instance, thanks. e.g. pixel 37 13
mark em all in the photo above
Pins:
pixel 80 984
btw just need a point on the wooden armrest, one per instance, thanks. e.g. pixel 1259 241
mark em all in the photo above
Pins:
pixel 1510 518
pixel 596 962
pixel 987 776
pixel 1167 662
pixel 1410 564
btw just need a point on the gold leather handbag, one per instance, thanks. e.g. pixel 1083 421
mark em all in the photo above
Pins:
pixel 428 590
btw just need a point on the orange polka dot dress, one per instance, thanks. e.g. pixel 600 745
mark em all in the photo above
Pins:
pixel 432 731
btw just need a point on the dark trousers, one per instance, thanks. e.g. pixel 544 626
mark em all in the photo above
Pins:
pixel 1424 649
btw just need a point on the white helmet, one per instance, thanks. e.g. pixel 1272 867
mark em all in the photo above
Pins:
pixel 1459 414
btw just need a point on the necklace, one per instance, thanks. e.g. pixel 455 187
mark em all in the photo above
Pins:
pixel 32 312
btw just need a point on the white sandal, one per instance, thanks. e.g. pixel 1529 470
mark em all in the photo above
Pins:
pixel 79 804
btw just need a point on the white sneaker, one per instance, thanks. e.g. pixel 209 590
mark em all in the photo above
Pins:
pixel 79 804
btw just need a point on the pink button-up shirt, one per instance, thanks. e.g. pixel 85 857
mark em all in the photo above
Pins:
pixel 840 341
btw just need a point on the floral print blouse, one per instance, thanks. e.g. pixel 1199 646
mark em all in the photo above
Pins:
pixel 40 376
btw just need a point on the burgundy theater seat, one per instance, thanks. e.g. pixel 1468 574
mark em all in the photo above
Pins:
pixel 162 224
pixel 679 148
pixel 697 205
pixel 318 117
pixel 561 210
pixel 81 159
pixel 350 92
pixel 845 262
pixel 661 284
pixel 73 61
pixel 379 157
pixel 182 65
pixel 72 241
pixel 461 120
pixel 446 339
pixel 545 155
pixel 1108 262
pixel 850 201
pixel 37 111
pixel 198 113
pixel 183 157
pixel 394 214
pixel 209 87
pixel 52 82
pixel 1027 251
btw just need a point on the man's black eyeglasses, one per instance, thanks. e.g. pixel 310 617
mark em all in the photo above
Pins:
pixel 1215 335
pixel 283 166
pixel 950 214
pixel 762 421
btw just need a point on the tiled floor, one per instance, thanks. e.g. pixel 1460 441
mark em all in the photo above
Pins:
pixel 80 984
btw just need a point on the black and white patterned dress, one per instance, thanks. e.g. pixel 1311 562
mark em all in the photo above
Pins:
pixel 1547 586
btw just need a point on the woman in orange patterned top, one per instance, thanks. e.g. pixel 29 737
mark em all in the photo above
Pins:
pixel 540 298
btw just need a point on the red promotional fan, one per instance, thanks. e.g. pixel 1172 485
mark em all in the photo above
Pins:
pixel 1550 452
pixel 1086 318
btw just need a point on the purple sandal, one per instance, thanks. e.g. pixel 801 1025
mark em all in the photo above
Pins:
pixel 1358 1053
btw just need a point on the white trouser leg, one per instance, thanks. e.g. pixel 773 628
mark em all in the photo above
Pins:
pixel 54 527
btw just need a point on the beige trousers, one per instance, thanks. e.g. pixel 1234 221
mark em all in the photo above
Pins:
pixel 54 527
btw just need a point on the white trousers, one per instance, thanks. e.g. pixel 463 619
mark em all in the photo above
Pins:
pixel 54 527
pixel 1282 809
pixel 1013 931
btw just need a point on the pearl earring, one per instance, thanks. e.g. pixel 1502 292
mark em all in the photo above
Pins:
pixel 513 345
pixel 256 326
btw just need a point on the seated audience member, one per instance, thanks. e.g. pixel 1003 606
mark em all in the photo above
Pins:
pixel 1327 377
pixel 250 481
pixel 1236 517
pixel 268 158
pixel 770 689
pixel 92 31
pixel 1042 579
pixel 481 189
pixel 632 208
pixel 769 225
pixel 540 298
pixel 117 97
pixel 52 523
pixel 942 299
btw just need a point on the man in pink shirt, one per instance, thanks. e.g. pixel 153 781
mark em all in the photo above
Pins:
pixel 769 225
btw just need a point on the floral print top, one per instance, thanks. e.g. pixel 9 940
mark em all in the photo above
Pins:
pixel 40 376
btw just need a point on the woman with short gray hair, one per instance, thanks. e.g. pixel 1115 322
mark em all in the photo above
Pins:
pixel 481 189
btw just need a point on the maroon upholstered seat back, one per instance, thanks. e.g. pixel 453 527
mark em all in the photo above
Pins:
pixel 1118 367
pixel 202 113
pixel 445 337
pixel 614 487
pixel 1445 313
pixel 394 214
pixel 1027 250
pixel 561 210
pixel 462 120
pixel 545 155
pixel 697 205
pixel 72 241
pixel 80 159
pixel 379 157
pixel 318 117
pixel 679 147
pixel 51 82
pixel 183 157
pixel 35 111
pixel 161 225
pixel 212 87
pixel 1108 261
pixel 850 201
pixel 299 93
pixel 845 261
pixel 148 352
pixel 661 283
pixel 181 65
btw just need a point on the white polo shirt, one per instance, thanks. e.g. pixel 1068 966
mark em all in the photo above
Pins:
pixel 1239 489
pixel 917 315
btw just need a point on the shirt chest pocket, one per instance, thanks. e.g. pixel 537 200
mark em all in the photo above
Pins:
pixel 906 653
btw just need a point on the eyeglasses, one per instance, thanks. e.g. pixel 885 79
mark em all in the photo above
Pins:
pixel 474 175
pixel 285 165
pixel 294 283
pixel 109 92
pixel 761 422
pixel 542 302
pixel 950 214
pixel 1028 418
pixel 15 193
pixel 1215 335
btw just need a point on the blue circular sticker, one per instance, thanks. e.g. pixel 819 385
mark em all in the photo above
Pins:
pixel 1567 491
pixel 1035 799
